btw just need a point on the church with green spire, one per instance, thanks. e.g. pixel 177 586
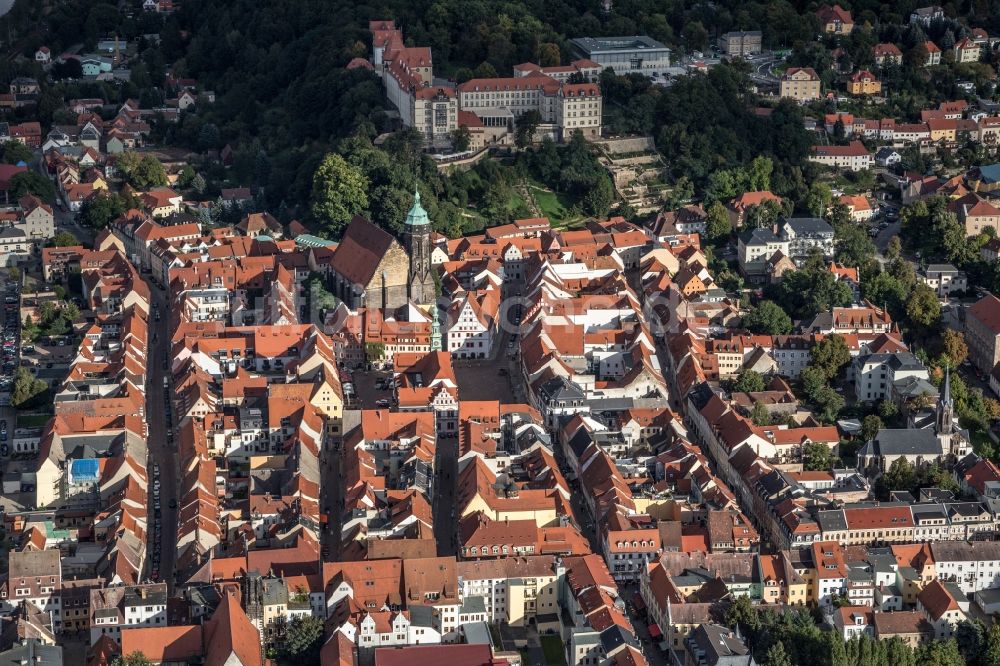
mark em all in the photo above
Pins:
pixel 417 241
pixel 371 269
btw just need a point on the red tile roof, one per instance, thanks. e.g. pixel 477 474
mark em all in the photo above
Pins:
pixel 936 599
pixel 229 633
pixel 435 655
pixel 164 644
pixel 987 312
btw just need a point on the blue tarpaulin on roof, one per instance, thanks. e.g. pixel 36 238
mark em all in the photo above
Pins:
pixel 84 471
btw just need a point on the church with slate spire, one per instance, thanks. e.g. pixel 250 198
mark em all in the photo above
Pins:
pixel 954 440
pixel 932 441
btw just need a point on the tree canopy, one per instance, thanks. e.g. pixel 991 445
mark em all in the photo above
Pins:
pixel 100 210
pixel 749 381
pixel 135 658
pixel 830 355
pixel 810 290
pixel 768 318
pixel 303 638
pixel 31 182
pixel 27 390
pixel 141 171
pixel 340 191
pixel 15 151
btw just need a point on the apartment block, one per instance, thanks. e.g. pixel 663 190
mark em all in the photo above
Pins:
pixel 982 333
pixel 800 83
pixel 740 43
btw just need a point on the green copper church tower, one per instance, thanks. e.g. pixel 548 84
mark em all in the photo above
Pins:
pixel 417 239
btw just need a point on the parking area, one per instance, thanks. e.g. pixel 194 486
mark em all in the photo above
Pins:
pixel 367 389
pixel 155 541
pixel 478 379
pixel 486 379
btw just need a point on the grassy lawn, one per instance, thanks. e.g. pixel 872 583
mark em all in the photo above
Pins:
pixel 553 205
pixel 552 646
pixel 517 200
pixel 981 441
pixel 32 420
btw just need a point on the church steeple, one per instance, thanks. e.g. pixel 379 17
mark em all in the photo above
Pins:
pixel 417 239
pixel 417 215
pixel 946 407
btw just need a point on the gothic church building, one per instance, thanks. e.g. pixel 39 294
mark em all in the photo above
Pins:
pixel 372 269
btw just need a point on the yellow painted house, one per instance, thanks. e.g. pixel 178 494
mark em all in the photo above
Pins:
pixel 864 83
pixel 800 83
pixel 943 129
pixel 477 492
pixel 836 20
pixel 319 366
pixel 780 583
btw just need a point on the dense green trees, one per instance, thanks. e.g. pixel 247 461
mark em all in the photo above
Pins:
pixel 768 318
pixel 132 659
pixel 870 427
pixel 827 358
pixel 854 247
pixel 302 638
pixel 953 348
pixel 830 355
pixel 810 290
pixel 725 184
pixel 100 210
pixel 525 126
pixel 902 475
pixel 705 125
pixel 922 306
pixel 759 414
pixel 461 138
pixel 572 169
pixel 339 192
pixel 53 319
pixel 749 381
pixel 816 456
pixel 15 151
pixel 933 232
pixel 27 390
pixel 717 226
pixel 62 239
pixel 32 182
pixel 792 637
pixel 141 171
